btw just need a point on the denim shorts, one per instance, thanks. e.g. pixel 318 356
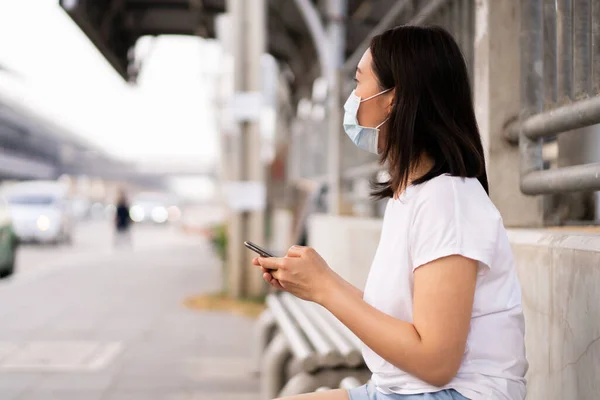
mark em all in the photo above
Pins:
pixel 369 392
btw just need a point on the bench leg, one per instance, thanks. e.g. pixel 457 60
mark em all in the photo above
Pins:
pixel 264 331
pixel 273 367
pixel 301 383
pixel 293 368
pixel 350 382
pixel 306 383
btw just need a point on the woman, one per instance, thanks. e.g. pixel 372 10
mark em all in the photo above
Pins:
pixel 441 314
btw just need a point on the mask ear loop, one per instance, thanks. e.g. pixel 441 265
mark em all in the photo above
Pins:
pixel 388 117
pixel 381 124
pixel 375 95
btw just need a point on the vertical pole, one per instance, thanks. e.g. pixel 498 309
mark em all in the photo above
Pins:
pixel 581 48
pixel 234 268
pixel 471 37
pixel 532 58
pixel 564 50
pixel 229 159
pixel 464 32
pixel 248 23
pixel 256 170
pixel 442 18
pixel 496 75
pixel 596 46
pixel 336 32
pixel 455 17
pixel 550 83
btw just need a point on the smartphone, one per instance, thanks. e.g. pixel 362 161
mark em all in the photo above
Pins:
pixel 257 249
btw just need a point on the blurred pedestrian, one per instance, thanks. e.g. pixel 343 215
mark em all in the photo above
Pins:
pixel 441 315
pixel 122 221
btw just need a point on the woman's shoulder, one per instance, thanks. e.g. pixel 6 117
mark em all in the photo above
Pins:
pixel 455 192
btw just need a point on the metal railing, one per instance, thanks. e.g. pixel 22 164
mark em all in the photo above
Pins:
pixel 560 83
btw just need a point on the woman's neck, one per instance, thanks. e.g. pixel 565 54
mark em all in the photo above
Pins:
pixel 421 168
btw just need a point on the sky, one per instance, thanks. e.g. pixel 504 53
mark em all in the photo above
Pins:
pixel 168 115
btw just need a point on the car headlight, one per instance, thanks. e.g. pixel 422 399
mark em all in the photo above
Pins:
pixel 174 213
pixel 160 214
pixel 137 213
pixel 43 223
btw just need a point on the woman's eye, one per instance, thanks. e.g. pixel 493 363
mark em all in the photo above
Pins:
pixel 355 80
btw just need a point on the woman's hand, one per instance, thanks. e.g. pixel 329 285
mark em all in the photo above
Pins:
pixel 302 272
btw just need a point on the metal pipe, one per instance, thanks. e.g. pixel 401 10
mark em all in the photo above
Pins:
pixel 328 355
pixel 596 46
pixel 386 22
pixel 581 48
pixel 317 32
pixel 576 115
pixel 564 50
pixel 464 20
pixel 427 12
pixel 443 18
pixel 532 56
pixel 469 50
pixel 352 356
pixel 349 382
pixel 297 342
pixel 550 85
pixel 272 379
pixel 455 21
pixel 337 11
pixel 567 179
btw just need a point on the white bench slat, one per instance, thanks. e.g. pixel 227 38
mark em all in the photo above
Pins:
pixel 328 354
pixel 298 344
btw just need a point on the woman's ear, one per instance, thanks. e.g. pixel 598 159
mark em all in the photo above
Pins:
pixel 391 96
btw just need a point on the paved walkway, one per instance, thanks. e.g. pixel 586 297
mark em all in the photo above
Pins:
pixel 111 325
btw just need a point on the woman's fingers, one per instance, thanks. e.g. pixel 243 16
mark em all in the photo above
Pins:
pixel 255 261
pixel 277 285
pixel 296 251
pixel 272 281
pixel 270 262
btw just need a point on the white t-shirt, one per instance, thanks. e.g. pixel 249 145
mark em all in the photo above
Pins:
pixel 445 216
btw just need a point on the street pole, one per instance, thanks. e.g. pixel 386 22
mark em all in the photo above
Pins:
pixel 249 25
pixel 336 33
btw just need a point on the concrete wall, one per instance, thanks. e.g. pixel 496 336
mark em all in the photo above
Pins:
pixel 560 278
pixel 497 102
pixel 348 244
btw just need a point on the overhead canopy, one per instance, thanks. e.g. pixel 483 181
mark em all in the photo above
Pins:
pixel 114 26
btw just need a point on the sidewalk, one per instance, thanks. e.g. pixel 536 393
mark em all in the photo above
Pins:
pixel 114 327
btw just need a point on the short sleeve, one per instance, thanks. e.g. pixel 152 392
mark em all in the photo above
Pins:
pixel 453 216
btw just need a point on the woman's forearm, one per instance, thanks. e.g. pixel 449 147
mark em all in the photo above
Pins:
pixel 396 341
pixel 350 287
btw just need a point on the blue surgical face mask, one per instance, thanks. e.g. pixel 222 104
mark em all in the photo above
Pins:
pixel 363 137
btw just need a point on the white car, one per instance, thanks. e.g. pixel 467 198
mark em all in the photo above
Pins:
pixel 41 211
pixel 158 208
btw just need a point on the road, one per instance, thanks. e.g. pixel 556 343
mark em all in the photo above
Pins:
pixel 89 321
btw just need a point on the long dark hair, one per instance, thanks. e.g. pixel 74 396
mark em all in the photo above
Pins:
pixel 432 112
